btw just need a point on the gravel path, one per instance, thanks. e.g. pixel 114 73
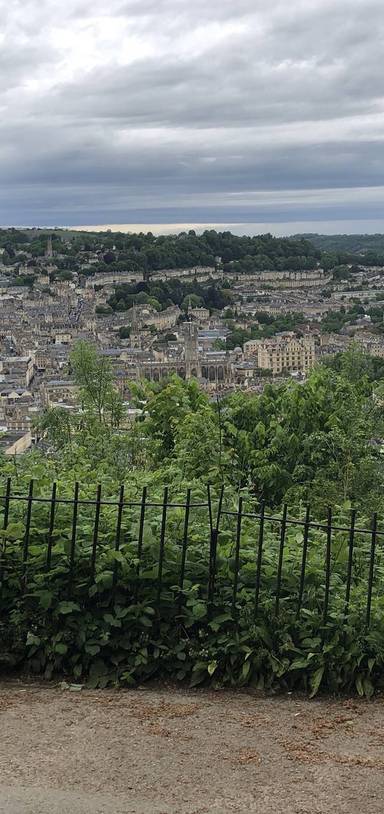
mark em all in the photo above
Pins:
pixel 168 751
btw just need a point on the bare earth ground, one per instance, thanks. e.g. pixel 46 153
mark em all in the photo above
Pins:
pixel 167 751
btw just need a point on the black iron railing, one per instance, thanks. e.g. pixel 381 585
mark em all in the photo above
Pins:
pixel 242 559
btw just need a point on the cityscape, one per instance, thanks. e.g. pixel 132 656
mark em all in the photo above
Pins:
pixel 191 407
pixel 56 289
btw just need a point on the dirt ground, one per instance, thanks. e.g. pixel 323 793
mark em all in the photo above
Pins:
pixel 166 751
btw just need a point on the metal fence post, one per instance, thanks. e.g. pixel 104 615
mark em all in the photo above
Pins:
pixel 371 568
pixel 184 551
pixel 120 509
pixel 162 546
pixel 303 560
pixel 27 533
pixel 259 558
pixel 237 556
pixel 328 551
pixel 95 532
pixel 3 547
pixel 73 537
pixel 214 535
pixel 281 555
pixel 51 526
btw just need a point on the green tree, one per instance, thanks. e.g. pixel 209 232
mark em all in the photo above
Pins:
pixel 191 301
pixel 103 310
pixel 202 459
pixel 297 438
pixel 168 408
pixel 98 394
pixel 124 332
pixel 57 424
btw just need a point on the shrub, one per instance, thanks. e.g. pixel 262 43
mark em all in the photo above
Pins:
pixel 108 603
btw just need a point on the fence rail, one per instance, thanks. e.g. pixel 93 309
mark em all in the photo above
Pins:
pixel 236 558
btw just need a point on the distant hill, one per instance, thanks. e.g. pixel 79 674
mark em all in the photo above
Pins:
pixel 354 244
pixel 146 252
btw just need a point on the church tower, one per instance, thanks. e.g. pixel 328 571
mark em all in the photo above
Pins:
pixel 191 350
pixel 135 335
pixel 49 249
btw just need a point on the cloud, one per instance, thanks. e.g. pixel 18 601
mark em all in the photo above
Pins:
pixel 147 110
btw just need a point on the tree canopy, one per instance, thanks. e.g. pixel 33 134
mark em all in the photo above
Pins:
pixel 319 441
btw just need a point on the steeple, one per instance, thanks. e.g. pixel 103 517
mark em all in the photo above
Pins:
pixel 134 317
pixel 49 249
pixel 191 350
pixel 135 336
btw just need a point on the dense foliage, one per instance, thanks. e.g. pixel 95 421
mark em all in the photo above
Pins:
pixel 265 325
pixel 162 294
pixel 369 249
pixel 147 252
pixel 335 321
pixel 99 615
pixel 105 620
pixel 319 440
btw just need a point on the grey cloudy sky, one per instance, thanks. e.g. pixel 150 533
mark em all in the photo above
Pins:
pixel 211 111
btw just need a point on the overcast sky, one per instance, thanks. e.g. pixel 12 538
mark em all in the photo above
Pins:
pixel 211 111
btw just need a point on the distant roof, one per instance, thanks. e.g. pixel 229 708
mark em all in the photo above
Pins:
pixel 60 382
pixel 15 358
pixel 213 333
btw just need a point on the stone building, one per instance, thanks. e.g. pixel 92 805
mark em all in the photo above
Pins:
pixel 59 391
pixel 17 369
pixel 283 352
